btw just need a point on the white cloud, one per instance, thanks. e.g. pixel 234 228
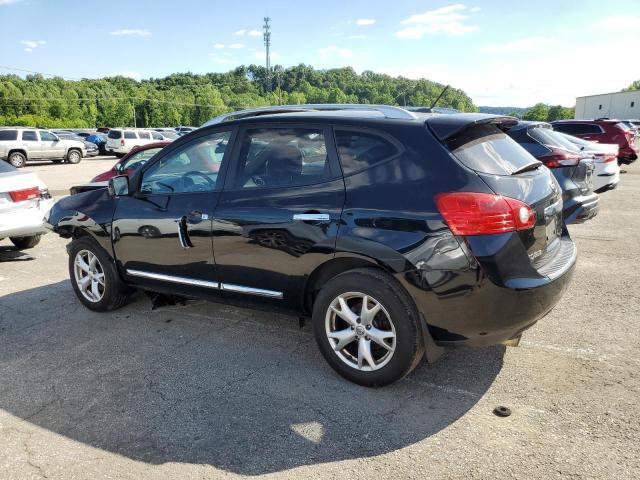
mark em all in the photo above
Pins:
pixel 362 22
pixel 529 44
pixel 219 46
pixel 333 51
pixel 131 31
pixel 474 9
pixel 127 73
pixel 357 37
pixel 7 2
pixel 236 45
pixel 31 45
pixel 620 22
pixel 240 32
pixel 449 20
pixel 254 33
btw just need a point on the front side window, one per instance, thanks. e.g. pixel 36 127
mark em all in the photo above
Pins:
pixel 358 150
pixel 47 136
pixel 280 157
pixel 144 135
pixel 130 135
pixel 156 136
pixel 192 168
pixel 29 136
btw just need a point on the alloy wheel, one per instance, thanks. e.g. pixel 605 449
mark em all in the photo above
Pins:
pixel 89 275
pixel 360 331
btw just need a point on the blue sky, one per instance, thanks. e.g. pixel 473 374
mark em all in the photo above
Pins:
pixel 501 53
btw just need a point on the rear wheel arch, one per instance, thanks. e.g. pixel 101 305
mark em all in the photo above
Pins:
pixel 17 150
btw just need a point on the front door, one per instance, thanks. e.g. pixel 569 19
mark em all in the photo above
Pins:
pixel 278 216
pixel 162 231
pixel 50 145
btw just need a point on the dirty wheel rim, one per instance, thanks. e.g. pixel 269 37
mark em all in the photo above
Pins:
pixel 89 275
pixel 360 331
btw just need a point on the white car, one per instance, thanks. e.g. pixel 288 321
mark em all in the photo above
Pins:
pixel 121 140
pixel 607 174
pixel 24 202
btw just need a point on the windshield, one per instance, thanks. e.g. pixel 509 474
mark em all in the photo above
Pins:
pixel 487 149
pixel 549 138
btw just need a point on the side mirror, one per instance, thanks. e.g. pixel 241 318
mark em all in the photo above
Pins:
pixel 56 139
pixel 119 186
pixel 119 167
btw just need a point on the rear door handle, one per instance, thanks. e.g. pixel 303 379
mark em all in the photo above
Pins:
pixel 312 217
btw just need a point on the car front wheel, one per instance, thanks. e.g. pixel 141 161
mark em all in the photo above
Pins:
pixel 367 328
pixel 74 156
pixel 94 277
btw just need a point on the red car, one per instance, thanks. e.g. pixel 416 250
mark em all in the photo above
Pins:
pixel 131 161
pixel 604 131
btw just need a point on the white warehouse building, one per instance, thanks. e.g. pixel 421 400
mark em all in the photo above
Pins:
pixel 621 105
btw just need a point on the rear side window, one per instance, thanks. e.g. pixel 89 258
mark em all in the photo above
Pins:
pixel 359 150
pixel 8 135
pixel 487 149
pixel 282 157
pixel 115 134
pixel 130 135
pixel 29 136
pixel 577 128
pixel 144 135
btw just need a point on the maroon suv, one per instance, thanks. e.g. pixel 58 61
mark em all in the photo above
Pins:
pixel 604 131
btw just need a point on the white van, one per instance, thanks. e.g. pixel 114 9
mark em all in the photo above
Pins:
pixel 121 140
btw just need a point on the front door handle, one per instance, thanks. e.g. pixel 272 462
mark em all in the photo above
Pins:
pixel 312 217
pixel 196 216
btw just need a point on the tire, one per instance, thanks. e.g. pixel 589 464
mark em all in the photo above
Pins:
pixel 397 316
pixel 18 159
pixel 74 156
pixel 112 292
pixel 23 243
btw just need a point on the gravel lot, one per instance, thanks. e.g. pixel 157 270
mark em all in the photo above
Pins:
pixel 207 391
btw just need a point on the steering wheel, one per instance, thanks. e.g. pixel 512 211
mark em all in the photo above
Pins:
pixel 258 180
pixel 195 173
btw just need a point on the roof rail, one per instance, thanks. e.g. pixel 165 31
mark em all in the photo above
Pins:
pixel 387 110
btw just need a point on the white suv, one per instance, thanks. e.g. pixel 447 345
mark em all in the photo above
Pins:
pixel 121 140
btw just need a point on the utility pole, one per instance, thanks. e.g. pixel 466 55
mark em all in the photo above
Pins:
pixel 267 43
pixel 133 100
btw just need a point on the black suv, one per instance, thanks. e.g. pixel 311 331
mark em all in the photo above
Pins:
pixel 398 233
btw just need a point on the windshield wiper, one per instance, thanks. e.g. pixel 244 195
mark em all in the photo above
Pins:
pixel 528 167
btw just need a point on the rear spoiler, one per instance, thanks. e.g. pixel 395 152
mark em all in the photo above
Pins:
pixel 447 126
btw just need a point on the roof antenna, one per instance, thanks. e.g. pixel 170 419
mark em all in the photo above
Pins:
pixel 439 96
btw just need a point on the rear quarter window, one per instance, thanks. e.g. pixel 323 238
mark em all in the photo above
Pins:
pixel 8 135
pixel 360 150
pixel 487 149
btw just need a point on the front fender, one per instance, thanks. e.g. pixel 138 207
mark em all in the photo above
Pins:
pixel 85 213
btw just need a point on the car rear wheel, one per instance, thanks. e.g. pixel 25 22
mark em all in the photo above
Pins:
pixel 18 159
pixel 74 156
pixel 24 243
pixel 367 328
pixel 94 277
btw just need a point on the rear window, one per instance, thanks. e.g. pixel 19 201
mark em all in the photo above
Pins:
pixel 130 135
pixel 8 135
pixel 115 134
pixel 487 149
pixel 549 138
pixel 577 128
pixel 358 150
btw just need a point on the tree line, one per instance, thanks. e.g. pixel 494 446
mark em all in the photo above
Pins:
pixel 192 99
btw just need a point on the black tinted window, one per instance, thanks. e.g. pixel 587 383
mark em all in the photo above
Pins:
pixel 487 149
pixel 8 134
pixel 130 135
pixel 534 148
pixel 279 157
pixel 359 150
pixel 29 136
pixel 115 134
pixel 577 128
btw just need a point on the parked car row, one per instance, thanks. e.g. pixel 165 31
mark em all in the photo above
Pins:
pixel 398 233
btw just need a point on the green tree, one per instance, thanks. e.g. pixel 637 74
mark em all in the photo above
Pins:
pixel 539 112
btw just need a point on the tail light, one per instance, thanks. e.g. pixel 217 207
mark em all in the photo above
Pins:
pixel 469 213
pixel 25 194
pixel 122 142
pixel 609 157
pixel 560 158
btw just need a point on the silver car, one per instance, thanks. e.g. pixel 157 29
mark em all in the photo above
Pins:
pixel 21 144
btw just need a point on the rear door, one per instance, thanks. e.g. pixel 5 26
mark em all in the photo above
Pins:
pixel 279 213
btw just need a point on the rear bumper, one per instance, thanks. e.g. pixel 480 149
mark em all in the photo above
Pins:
pixel 25 222
pixel 579 208
pixel 492 301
